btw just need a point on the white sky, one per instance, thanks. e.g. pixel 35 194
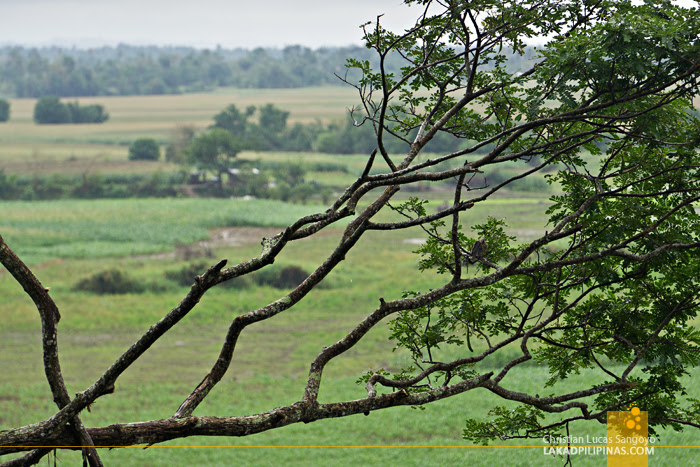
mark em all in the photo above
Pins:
pixel 202 23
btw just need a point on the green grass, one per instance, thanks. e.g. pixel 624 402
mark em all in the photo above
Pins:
pixel 157 116
pixel 96 229
pixel 401 435
pixel 271 360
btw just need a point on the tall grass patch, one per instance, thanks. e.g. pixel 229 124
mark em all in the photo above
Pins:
pixel 45 230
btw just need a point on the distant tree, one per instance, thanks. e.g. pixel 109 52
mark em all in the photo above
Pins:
pixel 272 119
pixel 94 113
pixel 233 120
pixel 301 137
pixel 214 151
pixel 176 150
pixel 50 110
pixel 4 110
pixel 152 70
pixel 291 173
pixel 144 149
pixel 8 186
pixel 346 138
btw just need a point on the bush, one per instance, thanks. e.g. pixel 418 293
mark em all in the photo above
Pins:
pixel 287 277
pixel 185 276
pixel 302 193
pixel 87 114
pixel 112 281
pixel 50 110
pixel 9 188
pixel 4 110
pixel 90 186
pixel 144 149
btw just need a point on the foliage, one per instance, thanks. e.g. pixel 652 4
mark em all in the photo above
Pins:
pixel 233 120
pixel 214 150
pixel 283 181
pixel 8 186
pixel 185 276
pixel 94 113
pixel 273 119
pixel 176 150
pixel 285 277
pixel 628 225
pixel 112 281
pixel 50 110
pixel 144 149
pixel 348 136
pixel 89 186
pixel 4 110
pixel 129 70
pixel 279 277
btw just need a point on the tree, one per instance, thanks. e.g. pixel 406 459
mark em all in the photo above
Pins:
pixel 50 110
pixel 214 150
pixel 176 151
pixel 4 110
pixel 94 113
pixel 232 120
pixel 273 119
pixel 144 149
pixel 611 286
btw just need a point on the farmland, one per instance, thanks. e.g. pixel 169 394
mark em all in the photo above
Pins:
pixel 155 116
pixel 69 240
pixel 27 148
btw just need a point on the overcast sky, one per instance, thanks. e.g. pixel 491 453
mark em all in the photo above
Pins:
pixel 201 23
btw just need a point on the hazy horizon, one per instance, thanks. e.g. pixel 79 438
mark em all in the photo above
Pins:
pixel 204 24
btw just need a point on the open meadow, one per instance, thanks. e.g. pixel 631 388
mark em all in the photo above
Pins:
pixel 152 241
pixel 27 148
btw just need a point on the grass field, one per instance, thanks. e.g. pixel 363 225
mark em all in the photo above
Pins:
pixel 155 115
pixel 112 228
pixel 27 148
pixel 68 240
pixel 272 360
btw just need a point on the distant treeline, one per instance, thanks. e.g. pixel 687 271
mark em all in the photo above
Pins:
pixel 128 70
pixel 132 70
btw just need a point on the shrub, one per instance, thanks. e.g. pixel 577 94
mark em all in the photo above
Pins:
pixel 185 276
pixel 302 193
pixel 50 110
pixel 4 110
pixel 144 149
pixel 286 277
pixel 94 113
pixel 111 281
pixel 90 186
pixel 9 188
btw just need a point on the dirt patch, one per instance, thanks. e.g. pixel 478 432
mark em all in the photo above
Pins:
pixel 239 236
pixel 218 238
pixel 414 241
